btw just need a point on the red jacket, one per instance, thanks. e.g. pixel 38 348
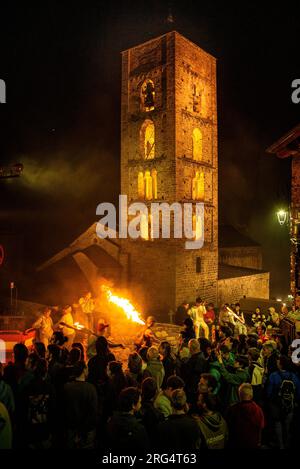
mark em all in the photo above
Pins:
pixel 245 422
pixel 209 315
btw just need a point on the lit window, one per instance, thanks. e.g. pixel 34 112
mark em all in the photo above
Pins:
pixel 198 186
pixel 147 139
pixel 197 144
pixel 154 183
pixel 141 188
pixel 148 185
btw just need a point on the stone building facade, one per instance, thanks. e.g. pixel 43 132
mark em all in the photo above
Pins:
pixel 169 141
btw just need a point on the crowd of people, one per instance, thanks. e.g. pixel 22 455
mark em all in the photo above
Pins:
pixel 227 384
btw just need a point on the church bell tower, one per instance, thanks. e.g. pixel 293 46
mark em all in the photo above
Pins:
pixel 169 154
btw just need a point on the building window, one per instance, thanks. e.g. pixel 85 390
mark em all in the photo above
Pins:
pixel 154 183
pixel 147 185
pixel 148 95
pixel 141 188
pixel 198 186
pixel 198 265
pixel 197 144
pixel 147 139
pixel 197 227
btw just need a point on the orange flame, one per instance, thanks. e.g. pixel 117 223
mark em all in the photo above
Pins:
pixel 124 304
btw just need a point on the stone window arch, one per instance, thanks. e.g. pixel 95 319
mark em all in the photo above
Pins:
pixel 148 95
pixel 147 139
pixel 197 144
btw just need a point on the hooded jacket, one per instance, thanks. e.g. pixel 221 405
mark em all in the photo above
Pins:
pixel 213 430
pixel 155 370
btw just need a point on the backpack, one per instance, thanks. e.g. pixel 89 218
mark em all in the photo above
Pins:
pixel 286 395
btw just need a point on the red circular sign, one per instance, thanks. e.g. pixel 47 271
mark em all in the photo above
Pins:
pixel 1 254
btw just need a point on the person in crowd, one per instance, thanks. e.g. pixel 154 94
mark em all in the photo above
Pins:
pixel 134 373
pixel 150 415
pixel 283 393
pixel 270 356
pixel 65 321
pixel 195 366
pixel 256 373
pixel 235 379
pixel 80 410
pixel 273 318
pixel 182 313
pixel 79 346
pixel 179 430
pixel 228 357
pixel 39 349
pixel 226 319
pixel 6 435
pixel 97 366
pixel 40 407
pixel 87 305
pixel 207 384
pixel 205 347
pixel 163 400
pixel 143 354
pixel 245 420
pixel 242 348
pixel 124 432
pixel 19 377
pixel 213 428
pixel 210 317
pixel 240 323
pixel 258 318
pixel 147 337
pixel 6 394
pixel 187 333
pixel 182 358
pixel 197 313
pixel 44 327
pixel 154 366
pixel 116 383
pixel 168 361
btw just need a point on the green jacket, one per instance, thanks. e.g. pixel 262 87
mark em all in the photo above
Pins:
pixel 234 380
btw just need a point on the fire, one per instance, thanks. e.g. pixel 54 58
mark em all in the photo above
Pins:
pixel 124 304
pixel 78 326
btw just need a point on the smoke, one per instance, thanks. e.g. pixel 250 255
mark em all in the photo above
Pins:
pixel 59 176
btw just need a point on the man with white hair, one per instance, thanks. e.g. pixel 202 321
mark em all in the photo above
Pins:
pixel 245 420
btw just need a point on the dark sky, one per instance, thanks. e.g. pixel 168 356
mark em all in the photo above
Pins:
pixel 61 63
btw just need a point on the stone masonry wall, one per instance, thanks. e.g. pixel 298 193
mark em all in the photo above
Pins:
pixel 233 289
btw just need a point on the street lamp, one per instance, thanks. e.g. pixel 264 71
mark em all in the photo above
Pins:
pixel 282 216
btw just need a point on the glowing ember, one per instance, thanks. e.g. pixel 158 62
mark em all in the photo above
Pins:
pixel 124 304
pixel 78 326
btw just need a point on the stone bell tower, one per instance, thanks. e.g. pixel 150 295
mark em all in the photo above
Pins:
pixel 169 154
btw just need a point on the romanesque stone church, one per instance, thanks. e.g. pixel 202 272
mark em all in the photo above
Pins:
pixel 169 153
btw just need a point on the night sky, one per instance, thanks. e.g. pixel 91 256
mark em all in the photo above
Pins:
pixel 61 63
